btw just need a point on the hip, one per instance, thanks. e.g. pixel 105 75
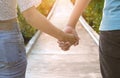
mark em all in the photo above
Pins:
pixel 10 32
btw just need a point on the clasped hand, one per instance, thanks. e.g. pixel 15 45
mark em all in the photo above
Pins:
pixel 70 39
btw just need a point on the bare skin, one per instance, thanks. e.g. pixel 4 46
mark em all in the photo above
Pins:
pixel 66 45
pixel 37 20
pixel 71 25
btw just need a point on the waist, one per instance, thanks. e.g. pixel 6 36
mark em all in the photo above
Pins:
pixel 7 25
pixel 8 21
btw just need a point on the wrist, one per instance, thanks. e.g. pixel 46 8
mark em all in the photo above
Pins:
pixel 69 29
pixel 70 26
pixel 62 36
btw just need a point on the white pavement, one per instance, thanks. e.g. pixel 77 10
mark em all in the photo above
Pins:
pixel 47 60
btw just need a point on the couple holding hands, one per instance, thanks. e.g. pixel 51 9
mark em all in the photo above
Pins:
pixel 13 60
pixel 12 51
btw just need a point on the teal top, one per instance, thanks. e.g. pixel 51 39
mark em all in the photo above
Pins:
pixel 111 15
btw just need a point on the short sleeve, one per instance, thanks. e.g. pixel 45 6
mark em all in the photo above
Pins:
pixel 26 4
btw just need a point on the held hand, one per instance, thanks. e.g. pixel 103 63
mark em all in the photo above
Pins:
pixel 74 40
pixel 71 30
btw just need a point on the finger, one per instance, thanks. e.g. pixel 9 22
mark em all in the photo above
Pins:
pixel 76 43
pixel 77 40
pixel 65 48
pixel 67 43
pixel 63 44
pixel 60 42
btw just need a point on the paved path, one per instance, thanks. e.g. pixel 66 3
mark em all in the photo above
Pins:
pixel 47 60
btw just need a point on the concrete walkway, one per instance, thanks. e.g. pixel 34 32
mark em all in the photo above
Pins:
pixel 47 60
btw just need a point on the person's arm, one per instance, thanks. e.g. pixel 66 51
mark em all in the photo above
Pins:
pixel 79 7
pixel 37 20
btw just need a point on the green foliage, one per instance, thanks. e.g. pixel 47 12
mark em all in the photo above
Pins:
pixel 27 30
pixel 93 13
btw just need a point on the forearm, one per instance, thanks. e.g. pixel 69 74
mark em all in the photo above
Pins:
pixel 37 20
pixel 77 11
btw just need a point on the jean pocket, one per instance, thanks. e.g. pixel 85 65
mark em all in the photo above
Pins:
pixel 12 52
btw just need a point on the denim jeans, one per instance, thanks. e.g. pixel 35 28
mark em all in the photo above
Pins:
pixel 12 53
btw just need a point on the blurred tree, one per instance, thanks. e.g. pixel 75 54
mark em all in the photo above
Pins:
pixel 93 13
pixel 27 30
pixel 45 6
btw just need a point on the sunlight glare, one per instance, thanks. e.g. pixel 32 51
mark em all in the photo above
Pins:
pixel 37 2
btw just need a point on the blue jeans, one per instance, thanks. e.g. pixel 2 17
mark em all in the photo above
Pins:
pixel 12 53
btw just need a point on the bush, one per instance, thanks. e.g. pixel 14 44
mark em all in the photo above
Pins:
pixel 27 30
pixel 93 13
